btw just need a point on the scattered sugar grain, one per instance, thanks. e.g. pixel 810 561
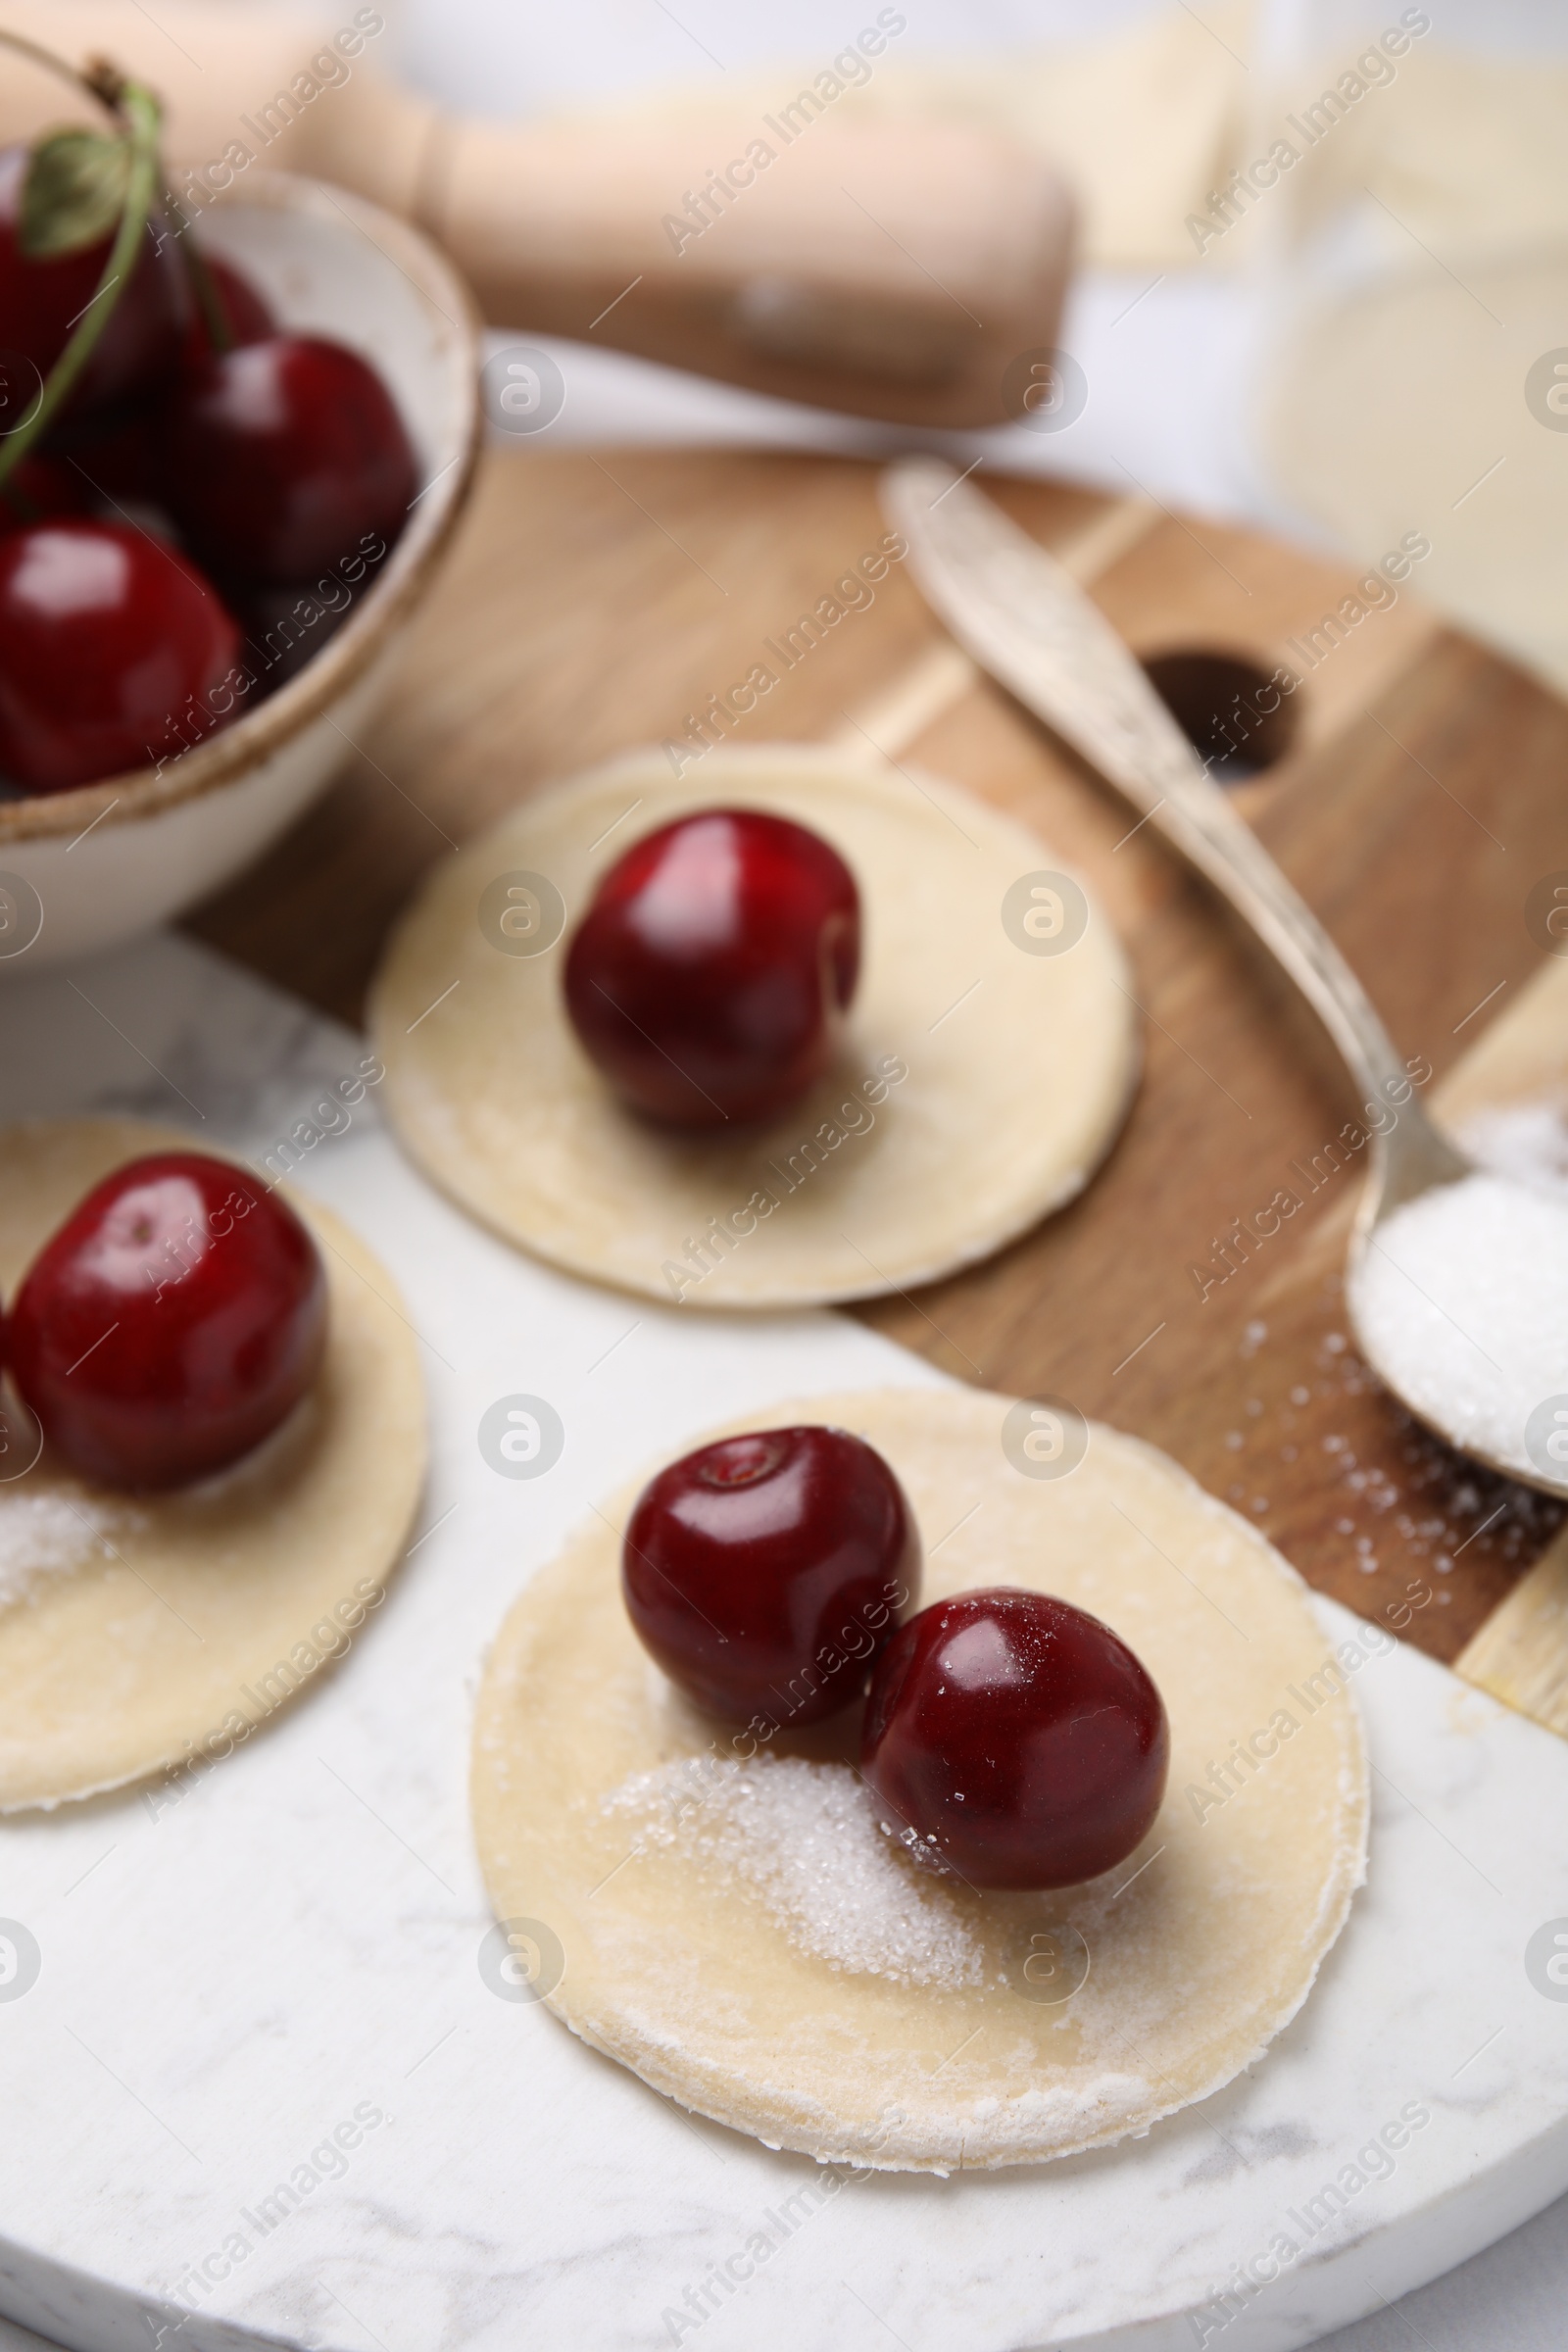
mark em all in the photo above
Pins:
pixel 807 1840
pixel 43 1534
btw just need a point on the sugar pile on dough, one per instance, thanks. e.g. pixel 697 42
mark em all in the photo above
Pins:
pixel 43 1534
pixel 805 1840
pixel 1462 1297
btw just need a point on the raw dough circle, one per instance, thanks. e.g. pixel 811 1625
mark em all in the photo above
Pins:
pixel 1019 1065
pixel 721 1926
pixel 133 1628
pixel 1389 407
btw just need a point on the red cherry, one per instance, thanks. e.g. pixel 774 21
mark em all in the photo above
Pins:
pixel 42 489
pixel 248 316
pixel 710 978
pixel 116 459
pixel 119 457
pixel 287 627
pixel 172 1323
pixel 765 1573
pixel 1017 1738
pixel 112 456
pixel 281 458
pixel 41 301
pixel 111 646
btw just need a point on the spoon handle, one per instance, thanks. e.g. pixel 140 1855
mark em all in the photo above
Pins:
pixel 1023 618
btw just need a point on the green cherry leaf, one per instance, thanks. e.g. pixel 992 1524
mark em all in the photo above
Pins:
pixel 74 194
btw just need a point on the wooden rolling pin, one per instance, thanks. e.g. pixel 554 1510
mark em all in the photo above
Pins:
pixel 890 267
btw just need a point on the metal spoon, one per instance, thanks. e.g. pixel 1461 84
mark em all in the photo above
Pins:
pixel 1023 618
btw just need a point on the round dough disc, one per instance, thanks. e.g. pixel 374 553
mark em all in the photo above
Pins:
pixel 1399 404
pixel 741 1934
pixel 137 1630
pixel 1020 1065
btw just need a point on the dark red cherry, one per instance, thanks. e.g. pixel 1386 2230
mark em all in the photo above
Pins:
pixel 41 301
pixel 1017 1738
pixel 287 627
pixel 111 646
pixel 710 978
pixel 248 318
pixel 281 458
pixel 112 455
pixel 172 1323
pixel 765 1573
pixel 42 489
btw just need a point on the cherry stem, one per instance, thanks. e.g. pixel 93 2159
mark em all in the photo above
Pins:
pixel 100 82
pixel 204 286
pixel 138 113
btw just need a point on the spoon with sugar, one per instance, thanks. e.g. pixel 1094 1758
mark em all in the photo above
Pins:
pixel 1457 1279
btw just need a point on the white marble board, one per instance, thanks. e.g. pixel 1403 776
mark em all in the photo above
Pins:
pixel 226 1979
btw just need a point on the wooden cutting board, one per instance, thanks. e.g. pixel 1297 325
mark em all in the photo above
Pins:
pixel 596 601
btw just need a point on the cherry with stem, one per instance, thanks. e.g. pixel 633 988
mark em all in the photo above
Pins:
pixel 139 116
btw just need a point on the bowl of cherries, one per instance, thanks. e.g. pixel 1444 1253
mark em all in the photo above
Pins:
pixel 231 454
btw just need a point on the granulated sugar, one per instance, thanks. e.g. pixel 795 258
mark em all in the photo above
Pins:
pixel 805 1840
pixel 43 1534
pixel 1527 1141
pixel 1462 1299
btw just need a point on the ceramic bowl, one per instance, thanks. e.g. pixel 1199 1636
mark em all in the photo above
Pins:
pixel 82 870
